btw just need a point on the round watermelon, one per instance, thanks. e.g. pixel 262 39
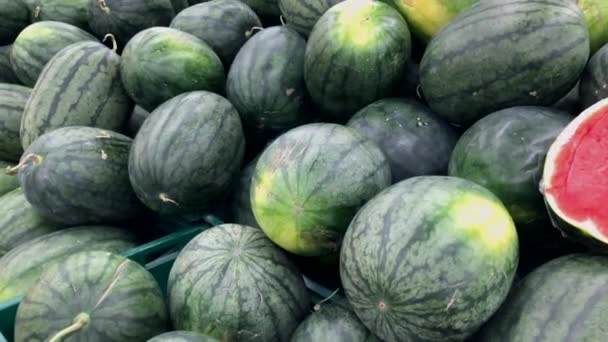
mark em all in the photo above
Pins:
pixel 182 336
pixel 429 259
pixel 302 15
pixel 594 82
pixel 596 16
pixel 74 12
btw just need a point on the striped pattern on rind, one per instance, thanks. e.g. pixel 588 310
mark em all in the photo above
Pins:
pixel 74 12
pixel 7 75
pixel 223 24
pixel 8 183
pixel 12 103
pixel 429 259
pixel 38 43
pixel 80 86
pixel 231 282
pixel 122 298
pixel 21 268
pixel 499 54
pixel 82 176
pixel 310 182
pixel 186 153
pixel 355 55
pixel 182 336
pixel 594 82
pixel 266 80
pixel 20 222
pixel 563 300
pixel 161 63
pixel 302 15
pixel 414 139
pixel 13 18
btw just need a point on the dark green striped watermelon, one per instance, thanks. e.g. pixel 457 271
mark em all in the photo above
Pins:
pixel 21 268
pixel 274 58
pixel 14 16
pixel 505 152
pixel 92 296
pixel 355 55
pixel 80 86
pixel 223 24
pixel 531 54
pixel 7 75
pixel 8 183
pixel 415 141
pixel 333 322
pixel 309 183
pixel 160 63
pixel 74 12
pixel 12 102
pixel 429 259
pixel 594 82
pixel 240 204
pixel 38 43
pixel 136 120
pixel 302 15
pixel 563 300
pixel 79 175
pixel 125 18
pixel 182 336
pixel 246 289
pixel 20 222
pixel 186 153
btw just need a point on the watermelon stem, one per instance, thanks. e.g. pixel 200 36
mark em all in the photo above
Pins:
pixel 81 321
pixel 113 39
pixel 317 306
pixel 37 12
pixel 249 33
pixel 104 6
pixel 282 20
pixel 12 171
pixel 166 199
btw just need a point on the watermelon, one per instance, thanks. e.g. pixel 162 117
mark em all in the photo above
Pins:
pixel 20 222
pixel 7 75
pixel 594 82
pixel 302 15
pixel 574 177
pixel 355 55
pixel 244 289
pixel 186 153
pixel 182 336
pixel 8 183
pixel 415 141
pixel 333 322
pixel 79 175
pixel 13 18
pixel 223 24
pixel 38 43
pixel 275 100
pixel 92 296
pixel 21 267
pixel 563 300
pixel 429 259
pixel 80 86
pixel 309 183
pixel 531 53
pixel 136 120
pixel 160 63
pixel 240 203
pixel 505 152
pixel 596 16
pixel 12 102
pixel 264 8
pixel 74 12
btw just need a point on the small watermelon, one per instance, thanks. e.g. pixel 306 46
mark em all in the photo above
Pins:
pixel 302 15
pixel 74 12
pixel 92 296
pixel 8 183
pixel 594 82
pixel 182 336
pixel 13 99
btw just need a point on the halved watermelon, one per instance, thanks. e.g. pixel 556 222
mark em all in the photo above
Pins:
pixel 575 179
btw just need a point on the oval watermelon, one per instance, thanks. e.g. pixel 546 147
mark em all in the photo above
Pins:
pixel 531 54
pixel 594 82
pixel 160 63
pixel 13 18
pixel 182 336
pixel 302 15
pixel 12 103
pixel 92 296
pixel 186 153
pixel 8 183
pixel 429 259
pixel 245 290
pixel 79 175
pixel 74 12
pixel 309 183
pixel 21 268
pixel 7 75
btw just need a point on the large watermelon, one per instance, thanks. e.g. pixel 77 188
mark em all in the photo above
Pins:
pixel 160 63
pixel 8 183
pixel 310 182
pixel 92 296
pixel 232 283
pixel 356 54
pixel 182 336
pixel 12 102
pixel 20 222
pixel 505 152
pixel 415 141
pixel 7 75
pixel 274 58
pixel 302 15
pixel 79 175
pixel 21 267
pixel 74 12
pixel 594 83
pixel 186 153
pixel 223 24
pixel 14 16
pixel 429 259
pixel 38 43
pixel 563 300
pixel 80 86
pixel 528 53
pixel 240 203
pixel 596 16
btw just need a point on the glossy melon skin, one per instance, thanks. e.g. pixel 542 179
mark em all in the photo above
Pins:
pixel 302 15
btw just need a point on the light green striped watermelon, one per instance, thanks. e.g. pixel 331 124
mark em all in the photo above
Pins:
pixel 302 15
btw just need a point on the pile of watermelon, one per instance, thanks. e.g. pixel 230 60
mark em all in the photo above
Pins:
pixel 443 165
